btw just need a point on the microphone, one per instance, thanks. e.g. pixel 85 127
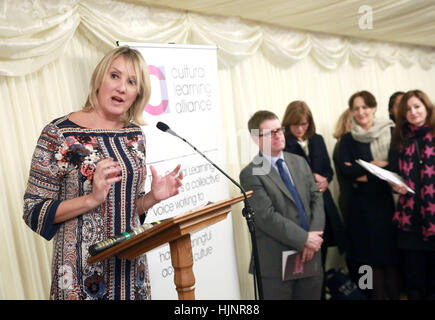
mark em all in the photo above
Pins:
pixel 100 246
pixel 165 128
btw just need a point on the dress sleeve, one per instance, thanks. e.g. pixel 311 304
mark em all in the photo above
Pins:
pixel 42 195
pixel 393 160
pixel 141 191
pixel 345 154
pixel 326 167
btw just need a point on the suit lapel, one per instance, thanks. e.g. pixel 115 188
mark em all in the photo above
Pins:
pixel 293 166
pixel 269 171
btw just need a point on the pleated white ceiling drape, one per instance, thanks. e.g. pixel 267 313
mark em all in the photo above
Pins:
pixel 48 50
pixel 403 21
pixel 33 34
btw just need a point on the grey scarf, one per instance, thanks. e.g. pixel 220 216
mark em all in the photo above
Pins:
pixel 379 137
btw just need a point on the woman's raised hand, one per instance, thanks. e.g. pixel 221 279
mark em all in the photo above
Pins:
pixel 165 187
pixel 106 174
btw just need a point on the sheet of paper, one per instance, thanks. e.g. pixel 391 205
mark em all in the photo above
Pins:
pixel 383 174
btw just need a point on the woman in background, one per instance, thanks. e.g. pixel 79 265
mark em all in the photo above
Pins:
pixel 412 155
pixel 301 139
pixel 393 104
pixel 342 127
pixel 370 208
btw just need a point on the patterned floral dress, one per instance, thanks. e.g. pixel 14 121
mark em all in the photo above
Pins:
pixel 62 167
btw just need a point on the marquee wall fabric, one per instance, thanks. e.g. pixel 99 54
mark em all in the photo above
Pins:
pixel 48 51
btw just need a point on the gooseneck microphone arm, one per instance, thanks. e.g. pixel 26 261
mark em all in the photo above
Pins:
pixel 247 211
pixel 168 130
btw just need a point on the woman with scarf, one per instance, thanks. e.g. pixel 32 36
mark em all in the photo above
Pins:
pixel 412 155
pixel 371 206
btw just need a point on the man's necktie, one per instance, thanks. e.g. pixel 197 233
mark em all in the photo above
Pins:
pixel 291 187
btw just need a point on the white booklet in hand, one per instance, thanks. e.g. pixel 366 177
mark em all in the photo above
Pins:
pixel 383 174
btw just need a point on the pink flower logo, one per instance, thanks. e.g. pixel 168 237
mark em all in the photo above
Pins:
pixel 162 107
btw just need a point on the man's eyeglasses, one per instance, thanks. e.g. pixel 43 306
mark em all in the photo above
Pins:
pixel 272 132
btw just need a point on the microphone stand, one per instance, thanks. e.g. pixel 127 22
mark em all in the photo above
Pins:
pixel 247 212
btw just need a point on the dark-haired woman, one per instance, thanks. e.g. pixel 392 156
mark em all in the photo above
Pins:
pixel 393 104
pixel 371 206
pixel 412 155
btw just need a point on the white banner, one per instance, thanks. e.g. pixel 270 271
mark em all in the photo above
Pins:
pixel 185 96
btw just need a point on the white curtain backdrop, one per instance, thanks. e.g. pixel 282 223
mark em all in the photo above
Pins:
pixel 48 50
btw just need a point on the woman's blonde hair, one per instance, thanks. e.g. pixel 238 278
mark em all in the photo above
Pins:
pixel 134 113
pixel 342 126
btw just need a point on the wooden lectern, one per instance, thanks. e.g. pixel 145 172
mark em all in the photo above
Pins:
pixel 176 231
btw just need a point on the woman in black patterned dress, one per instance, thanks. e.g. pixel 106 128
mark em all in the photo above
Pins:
pixel 412 155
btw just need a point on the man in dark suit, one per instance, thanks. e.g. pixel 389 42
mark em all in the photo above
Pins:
pixel 284 220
